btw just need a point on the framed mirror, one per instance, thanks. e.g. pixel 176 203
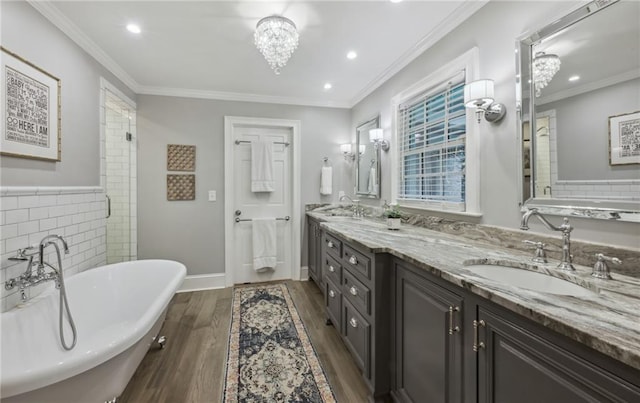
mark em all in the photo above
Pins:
pixel 578 94
pixel 367 161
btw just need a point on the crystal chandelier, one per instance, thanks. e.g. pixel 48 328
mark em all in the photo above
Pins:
pixel 276 38
pixel 545 66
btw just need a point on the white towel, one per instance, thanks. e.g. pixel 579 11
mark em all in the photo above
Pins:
pixel 372 187
pixel 326 177
pixel 264 244
pixel 262 166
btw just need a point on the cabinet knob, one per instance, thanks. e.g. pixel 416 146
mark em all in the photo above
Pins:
pixel 353 290
pixel 330 244
pixel 353 322
pixel 353 260
pixel 332 294
pixel 332 269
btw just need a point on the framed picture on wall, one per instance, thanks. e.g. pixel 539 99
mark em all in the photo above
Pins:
pixel 30 110
pixel 624 139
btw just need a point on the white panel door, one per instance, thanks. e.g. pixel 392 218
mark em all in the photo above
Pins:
pixel 275 204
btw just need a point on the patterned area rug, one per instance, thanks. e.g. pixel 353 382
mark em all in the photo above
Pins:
pixel 271 359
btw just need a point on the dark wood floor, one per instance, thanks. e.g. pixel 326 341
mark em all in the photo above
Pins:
pixel 192 366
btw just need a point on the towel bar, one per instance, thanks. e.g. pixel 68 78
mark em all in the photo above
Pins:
pixel 285 143
pixel 287 218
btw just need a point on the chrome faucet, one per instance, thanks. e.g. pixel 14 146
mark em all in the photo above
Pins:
pixel 49 240
pixel 350 199
pixel 29 278
pixel 565 228
pixel 357 210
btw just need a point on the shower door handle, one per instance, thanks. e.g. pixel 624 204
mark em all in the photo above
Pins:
pixel 108 206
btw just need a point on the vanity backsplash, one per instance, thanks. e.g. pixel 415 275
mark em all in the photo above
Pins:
pixel 583 252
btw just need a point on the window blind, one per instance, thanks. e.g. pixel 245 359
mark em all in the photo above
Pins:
pixel 431 135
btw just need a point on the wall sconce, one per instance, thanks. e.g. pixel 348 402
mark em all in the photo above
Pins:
pixel 376 137
pixel 346 152
pixel 479 94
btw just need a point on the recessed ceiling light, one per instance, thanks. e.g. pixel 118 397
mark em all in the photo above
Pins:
pixel 351 55
pixel 395 1
pixel 134 28
pixel 328 86
pixel 574 78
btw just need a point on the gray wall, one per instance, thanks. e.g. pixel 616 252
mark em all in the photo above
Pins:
pixel 27 33
pixel 583 132
pixel 494 30
pixel 193 231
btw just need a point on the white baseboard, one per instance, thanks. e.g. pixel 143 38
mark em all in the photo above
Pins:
pixel 201 282
pixel 304 273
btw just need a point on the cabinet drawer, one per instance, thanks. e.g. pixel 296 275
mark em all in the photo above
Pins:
pixel 332 245
pixel 333 302
pixel 360 263
pixel 356 292
pixel 357 333
pixel 332 269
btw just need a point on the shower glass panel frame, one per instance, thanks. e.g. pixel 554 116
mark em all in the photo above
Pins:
pixel 120 153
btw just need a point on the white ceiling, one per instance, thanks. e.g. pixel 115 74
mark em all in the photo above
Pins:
pixel 205 48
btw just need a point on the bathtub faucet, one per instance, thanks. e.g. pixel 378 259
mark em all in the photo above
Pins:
pixel 50 240
pixel 30 278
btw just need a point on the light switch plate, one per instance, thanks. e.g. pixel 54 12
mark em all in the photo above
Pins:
pixel 212 195
pixel 340 194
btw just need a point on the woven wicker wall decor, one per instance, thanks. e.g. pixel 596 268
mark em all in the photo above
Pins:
pixel 181 187
pixel 181 157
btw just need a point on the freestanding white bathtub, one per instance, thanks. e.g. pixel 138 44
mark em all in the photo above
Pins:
pixel 118 310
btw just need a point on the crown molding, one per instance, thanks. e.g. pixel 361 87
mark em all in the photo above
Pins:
pixel 50 12
pixel 237 96
pixel 57 18
pixel 460 14
pixel 606 82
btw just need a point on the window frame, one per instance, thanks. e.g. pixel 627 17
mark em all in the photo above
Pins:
pixel 467 62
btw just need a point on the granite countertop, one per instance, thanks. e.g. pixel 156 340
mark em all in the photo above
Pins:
pixel 607 321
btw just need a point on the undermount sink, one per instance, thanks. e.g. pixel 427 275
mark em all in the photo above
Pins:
pixel 529 280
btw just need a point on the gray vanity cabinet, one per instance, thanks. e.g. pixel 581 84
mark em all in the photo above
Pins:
pixel 428 339
pixel 518 365
pixel 452 346
pixel 357 296
pixel 314 249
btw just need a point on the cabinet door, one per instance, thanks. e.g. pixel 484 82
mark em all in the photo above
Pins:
pixel 515 365
pixel 333 303
pixel 357 336
pixel 428 351
pixel 314 252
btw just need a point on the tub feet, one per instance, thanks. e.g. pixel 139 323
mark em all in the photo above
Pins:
pixel 162 340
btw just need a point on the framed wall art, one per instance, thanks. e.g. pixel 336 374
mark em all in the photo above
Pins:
pixel 181 187
pixel 624 139
pixel 181 157
pixel 30 110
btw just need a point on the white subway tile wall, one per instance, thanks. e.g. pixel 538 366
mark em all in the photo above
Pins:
pixel 27 216
pixel 619 190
